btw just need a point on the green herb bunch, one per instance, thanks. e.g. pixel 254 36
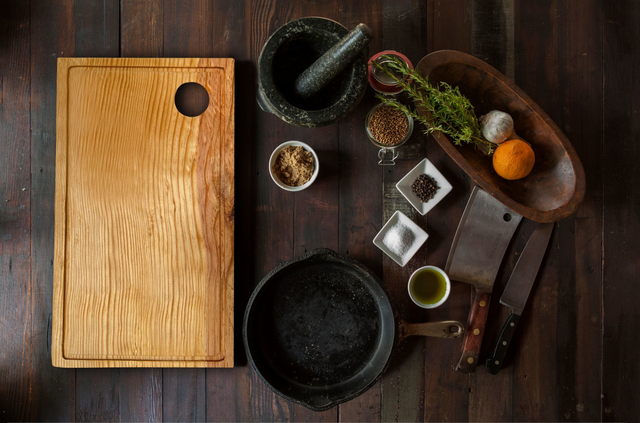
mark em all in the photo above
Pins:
pixel 448 111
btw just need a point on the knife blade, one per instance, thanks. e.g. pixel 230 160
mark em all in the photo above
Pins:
pixel 517 291
pixel 482 237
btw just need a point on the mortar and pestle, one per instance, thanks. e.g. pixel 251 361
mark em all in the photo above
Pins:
pixel 313 71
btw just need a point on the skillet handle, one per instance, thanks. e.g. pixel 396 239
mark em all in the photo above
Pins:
pixel 444 329
pixel 474 333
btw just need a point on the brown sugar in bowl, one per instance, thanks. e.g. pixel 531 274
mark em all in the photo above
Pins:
pixel 274 157
pixel 556 186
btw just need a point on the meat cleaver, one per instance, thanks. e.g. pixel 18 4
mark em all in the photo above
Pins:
pixel 481 240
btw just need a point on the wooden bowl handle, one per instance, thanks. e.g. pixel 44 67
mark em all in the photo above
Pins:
pixel 474 333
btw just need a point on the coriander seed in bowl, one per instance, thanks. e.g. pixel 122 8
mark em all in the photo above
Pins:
pixel 388 128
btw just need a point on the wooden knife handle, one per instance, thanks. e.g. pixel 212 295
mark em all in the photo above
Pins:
pixel 474 333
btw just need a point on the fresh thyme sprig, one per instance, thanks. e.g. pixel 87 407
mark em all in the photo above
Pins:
pixel 449 112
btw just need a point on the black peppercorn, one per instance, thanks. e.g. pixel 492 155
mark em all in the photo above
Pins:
pixel 425 187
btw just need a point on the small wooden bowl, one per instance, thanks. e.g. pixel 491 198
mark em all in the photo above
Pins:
pixel 556 186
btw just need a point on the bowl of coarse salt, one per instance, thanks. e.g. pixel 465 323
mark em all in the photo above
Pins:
pixel 400 238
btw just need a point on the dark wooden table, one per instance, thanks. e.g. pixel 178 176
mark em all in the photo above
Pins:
pixel 576 356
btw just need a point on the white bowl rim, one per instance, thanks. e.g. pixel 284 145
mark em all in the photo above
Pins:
pixel 276 151
pixel 377 240
pixel 446 294
pixel 446 189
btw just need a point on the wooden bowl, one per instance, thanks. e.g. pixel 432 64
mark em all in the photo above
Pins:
pixel 555 187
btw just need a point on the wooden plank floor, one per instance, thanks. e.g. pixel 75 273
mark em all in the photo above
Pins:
pixel 575 357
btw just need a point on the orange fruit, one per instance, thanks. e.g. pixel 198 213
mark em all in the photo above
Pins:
pixel 513 159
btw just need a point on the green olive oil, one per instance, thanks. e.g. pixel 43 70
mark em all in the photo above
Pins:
pixel 429 286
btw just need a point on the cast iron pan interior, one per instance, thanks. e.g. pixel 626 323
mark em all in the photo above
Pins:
pixel 319 330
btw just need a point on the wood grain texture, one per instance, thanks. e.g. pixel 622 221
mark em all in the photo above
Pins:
pixel 94 33
pixel 360 213
pixel 227 391
pixel 402 386
pixel 621 231
pixel 580 66
pixel 141 28
pixel 273 209
pixel 144 250
pixel 447 392
pixel 535 391
pixel 141 395
pixel 188 28
pixel 184 395
pixel 141 390
pixel 469 358
pixel 96 27
pixel 492 33
pixel 17 367
pixel 52 35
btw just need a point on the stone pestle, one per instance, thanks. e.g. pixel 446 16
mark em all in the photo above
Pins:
pixel 334 61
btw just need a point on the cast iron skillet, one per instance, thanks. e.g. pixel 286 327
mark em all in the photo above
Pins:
pixel 319 330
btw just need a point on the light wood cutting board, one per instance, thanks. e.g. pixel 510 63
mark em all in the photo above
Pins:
pixel 143 268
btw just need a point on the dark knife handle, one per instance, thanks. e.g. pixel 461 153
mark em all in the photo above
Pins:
pixel 474 333
pixel 502 345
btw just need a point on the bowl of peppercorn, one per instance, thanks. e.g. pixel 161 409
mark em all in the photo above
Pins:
pixel 424 187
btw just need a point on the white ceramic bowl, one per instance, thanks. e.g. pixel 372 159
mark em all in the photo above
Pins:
pixel 446 294
pixel 426 167
pixel 274 156
pixel 420 237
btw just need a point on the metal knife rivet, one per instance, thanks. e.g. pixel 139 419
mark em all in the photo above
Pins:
pixel 497 362
pixel 504 342
pixel 482 303
pixel 512 324
pixel 470 360
pixel 476 331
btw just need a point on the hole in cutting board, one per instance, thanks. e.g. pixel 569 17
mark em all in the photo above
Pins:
pixel 192 99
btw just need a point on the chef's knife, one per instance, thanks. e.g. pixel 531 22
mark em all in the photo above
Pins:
pixel 518 289
pixel 481 240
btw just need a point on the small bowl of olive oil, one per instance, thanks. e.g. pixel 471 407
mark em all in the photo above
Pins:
pixel 429 287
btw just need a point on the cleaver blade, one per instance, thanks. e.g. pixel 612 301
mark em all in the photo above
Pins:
pixel 482 238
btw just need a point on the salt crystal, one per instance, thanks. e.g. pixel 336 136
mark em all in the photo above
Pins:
pixel 399 239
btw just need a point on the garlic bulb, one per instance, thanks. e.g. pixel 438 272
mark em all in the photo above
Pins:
pixel 496 126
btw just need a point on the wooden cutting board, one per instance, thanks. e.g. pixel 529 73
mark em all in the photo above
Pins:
pixel 143 267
